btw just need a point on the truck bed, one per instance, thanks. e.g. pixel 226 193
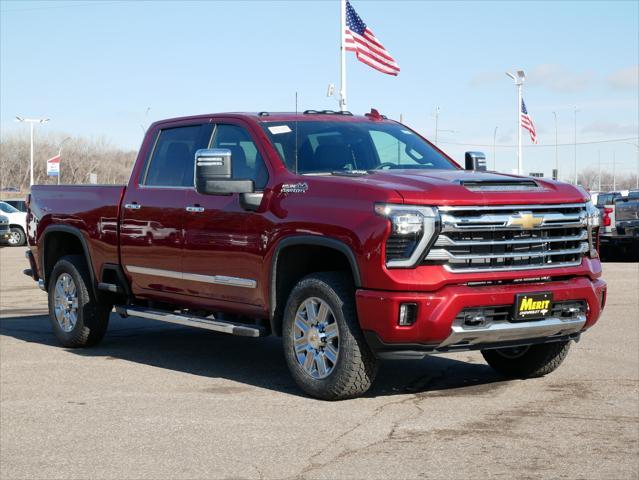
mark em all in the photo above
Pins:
pixel 92 210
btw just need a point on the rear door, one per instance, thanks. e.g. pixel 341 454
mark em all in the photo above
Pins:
pixel 151 233
pixel 222 257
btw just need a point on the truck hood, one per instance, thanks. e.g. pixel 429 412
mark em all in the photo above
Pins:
pixel 461 187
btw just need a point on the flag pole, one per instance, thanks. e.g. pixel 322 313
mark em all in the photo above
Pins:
pixel 342 27
pixel 520 160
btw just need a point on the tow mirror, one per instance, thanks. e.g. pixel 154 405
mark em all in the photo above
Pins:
pixel 213 173
pixel 476 161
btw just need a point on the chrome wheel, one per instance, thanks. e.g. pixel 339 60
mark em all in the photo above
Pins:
pixel 66 302
pixel 316 338
pixel 15 238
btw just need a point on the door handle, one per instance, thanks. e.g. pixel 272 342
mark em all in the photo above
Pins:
pixel 133 206
pixel 195 209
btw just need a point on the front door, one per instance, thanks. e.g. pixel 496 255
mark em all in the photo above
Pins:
pixel 152 224
pixel 222 258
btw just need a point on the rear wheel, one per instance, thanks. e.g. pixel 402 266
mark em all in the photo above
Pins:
pixel 323 343
pixel 527 361
pixel 78 318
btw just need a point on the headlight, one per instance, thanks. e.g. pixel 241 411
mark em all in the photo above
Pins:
pixel 593 216
pixel 593 221
pixel 413 228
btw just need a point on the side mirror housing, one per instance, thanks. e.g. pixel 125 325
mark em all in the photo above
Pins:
pixel 476 161
pixel 213 173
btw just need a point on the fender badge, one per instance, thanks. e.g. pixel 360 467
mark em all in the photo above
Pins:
pixel 300 187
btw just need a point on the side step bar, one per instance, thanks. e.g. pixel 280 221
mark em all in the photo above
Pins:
pixel 110 287
pixel 238 329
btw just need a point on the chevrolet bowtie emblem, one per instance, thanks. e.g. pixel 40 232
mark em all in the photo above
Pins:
pixel 525 220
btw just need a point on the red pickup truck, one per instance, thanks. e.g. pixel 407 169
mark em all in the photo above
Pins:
pixel 352 237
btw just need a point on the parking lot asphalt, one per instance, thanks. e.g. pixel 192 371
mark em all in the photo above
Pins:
pixel 159 401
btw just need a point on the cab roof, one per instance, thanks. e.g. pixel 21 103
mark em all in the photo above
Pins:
pixel 270 117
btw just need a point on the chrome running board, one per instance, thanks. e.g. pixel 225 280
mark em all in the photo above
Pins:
pixel 238 329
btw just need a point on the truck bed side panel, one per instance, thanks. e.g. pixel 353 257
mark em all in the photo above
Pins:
pixel 91 210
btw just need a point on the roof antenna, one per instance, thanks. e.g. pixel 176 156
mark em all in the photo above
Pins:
pixel 296 134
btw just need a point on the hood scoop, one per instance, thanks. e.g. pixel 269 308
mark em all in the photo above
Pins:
pixel 501 185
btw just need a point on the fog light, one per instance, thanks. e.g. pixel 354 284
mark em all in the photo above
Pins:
pixel 407 314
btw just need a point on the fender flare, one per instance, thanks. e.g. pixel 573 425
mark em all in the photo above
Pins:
pixel 76 232
pixel 310 240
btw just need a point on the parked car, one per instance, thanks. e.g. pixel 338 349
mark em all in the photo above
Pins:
pixel 605 202
pixel 352 237
pixel 5 230
pixel 18 204
pixel 18 224
pixel 613 236
pixel 627 221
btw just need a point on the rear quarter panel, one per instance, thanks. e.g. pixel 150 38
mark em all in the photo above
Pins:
pixel 91 210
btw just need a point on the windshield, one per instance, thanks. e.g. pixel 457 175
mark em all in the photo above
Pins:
pixel 6 208
pixel 325 147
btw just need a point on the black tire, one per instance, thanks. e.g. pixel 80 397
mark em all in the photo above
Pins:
pixel 356 366
pixel 92 315
pixel 527 362
pixel 20 237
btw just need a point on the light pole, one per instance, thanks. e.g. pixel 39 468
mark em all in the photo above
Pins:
pixel 31 122
pixel 60 158
pixel 599 189
pixel 556 146
pixel 614 176
pixel 436 123
pixel 495 150
pixel 576 177
pixel 519 82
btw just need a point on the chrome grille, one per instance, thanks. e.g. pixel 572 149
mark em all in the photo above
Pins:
pixel 476 239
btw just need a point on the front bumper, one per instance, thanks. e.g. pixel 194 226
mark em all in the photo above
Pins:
pixel 437 330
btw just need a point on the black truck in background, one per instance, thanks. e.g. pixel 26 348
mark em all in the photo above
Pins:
pixel 619 234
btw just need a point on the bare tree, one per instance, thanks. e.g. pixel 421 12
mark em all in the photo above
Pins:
pixel 80 157
pixel 589 178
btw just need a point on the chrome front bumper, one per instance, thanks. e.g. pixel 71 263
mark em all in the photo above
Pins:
pixel 501 332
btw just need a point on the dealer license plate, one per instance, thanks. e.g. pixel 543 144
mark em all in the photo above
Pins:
pixel 532 306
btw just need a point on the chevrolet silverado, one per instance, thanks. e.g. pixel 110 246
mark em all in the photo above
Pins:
pixel 352 237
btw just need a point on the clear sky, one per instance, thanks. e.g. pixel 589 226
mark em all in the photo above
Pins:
pixel 95 67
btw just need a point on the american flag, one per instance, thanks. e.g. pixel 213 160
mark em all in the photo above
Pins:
pixel 527 122
pixel 360 39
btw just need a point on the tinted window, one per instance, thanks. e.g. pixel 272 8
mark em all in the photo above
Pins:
pixel 18 204
pixel 247 163
pixel 173 158
pixel 329 146
pixel 6 208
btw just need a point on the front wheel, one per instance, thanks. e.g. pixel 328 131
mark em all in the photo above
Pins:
pixel 527 361
pixel 324 346
pixel 17 238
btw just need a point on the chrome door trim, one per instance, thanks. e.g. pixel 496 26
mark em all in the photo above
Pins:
pixel 195 277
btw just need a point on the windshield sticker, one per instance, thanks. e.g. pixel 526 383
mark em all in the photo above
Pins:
pixel 300 187
pixel 276 130
pixel 407 132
